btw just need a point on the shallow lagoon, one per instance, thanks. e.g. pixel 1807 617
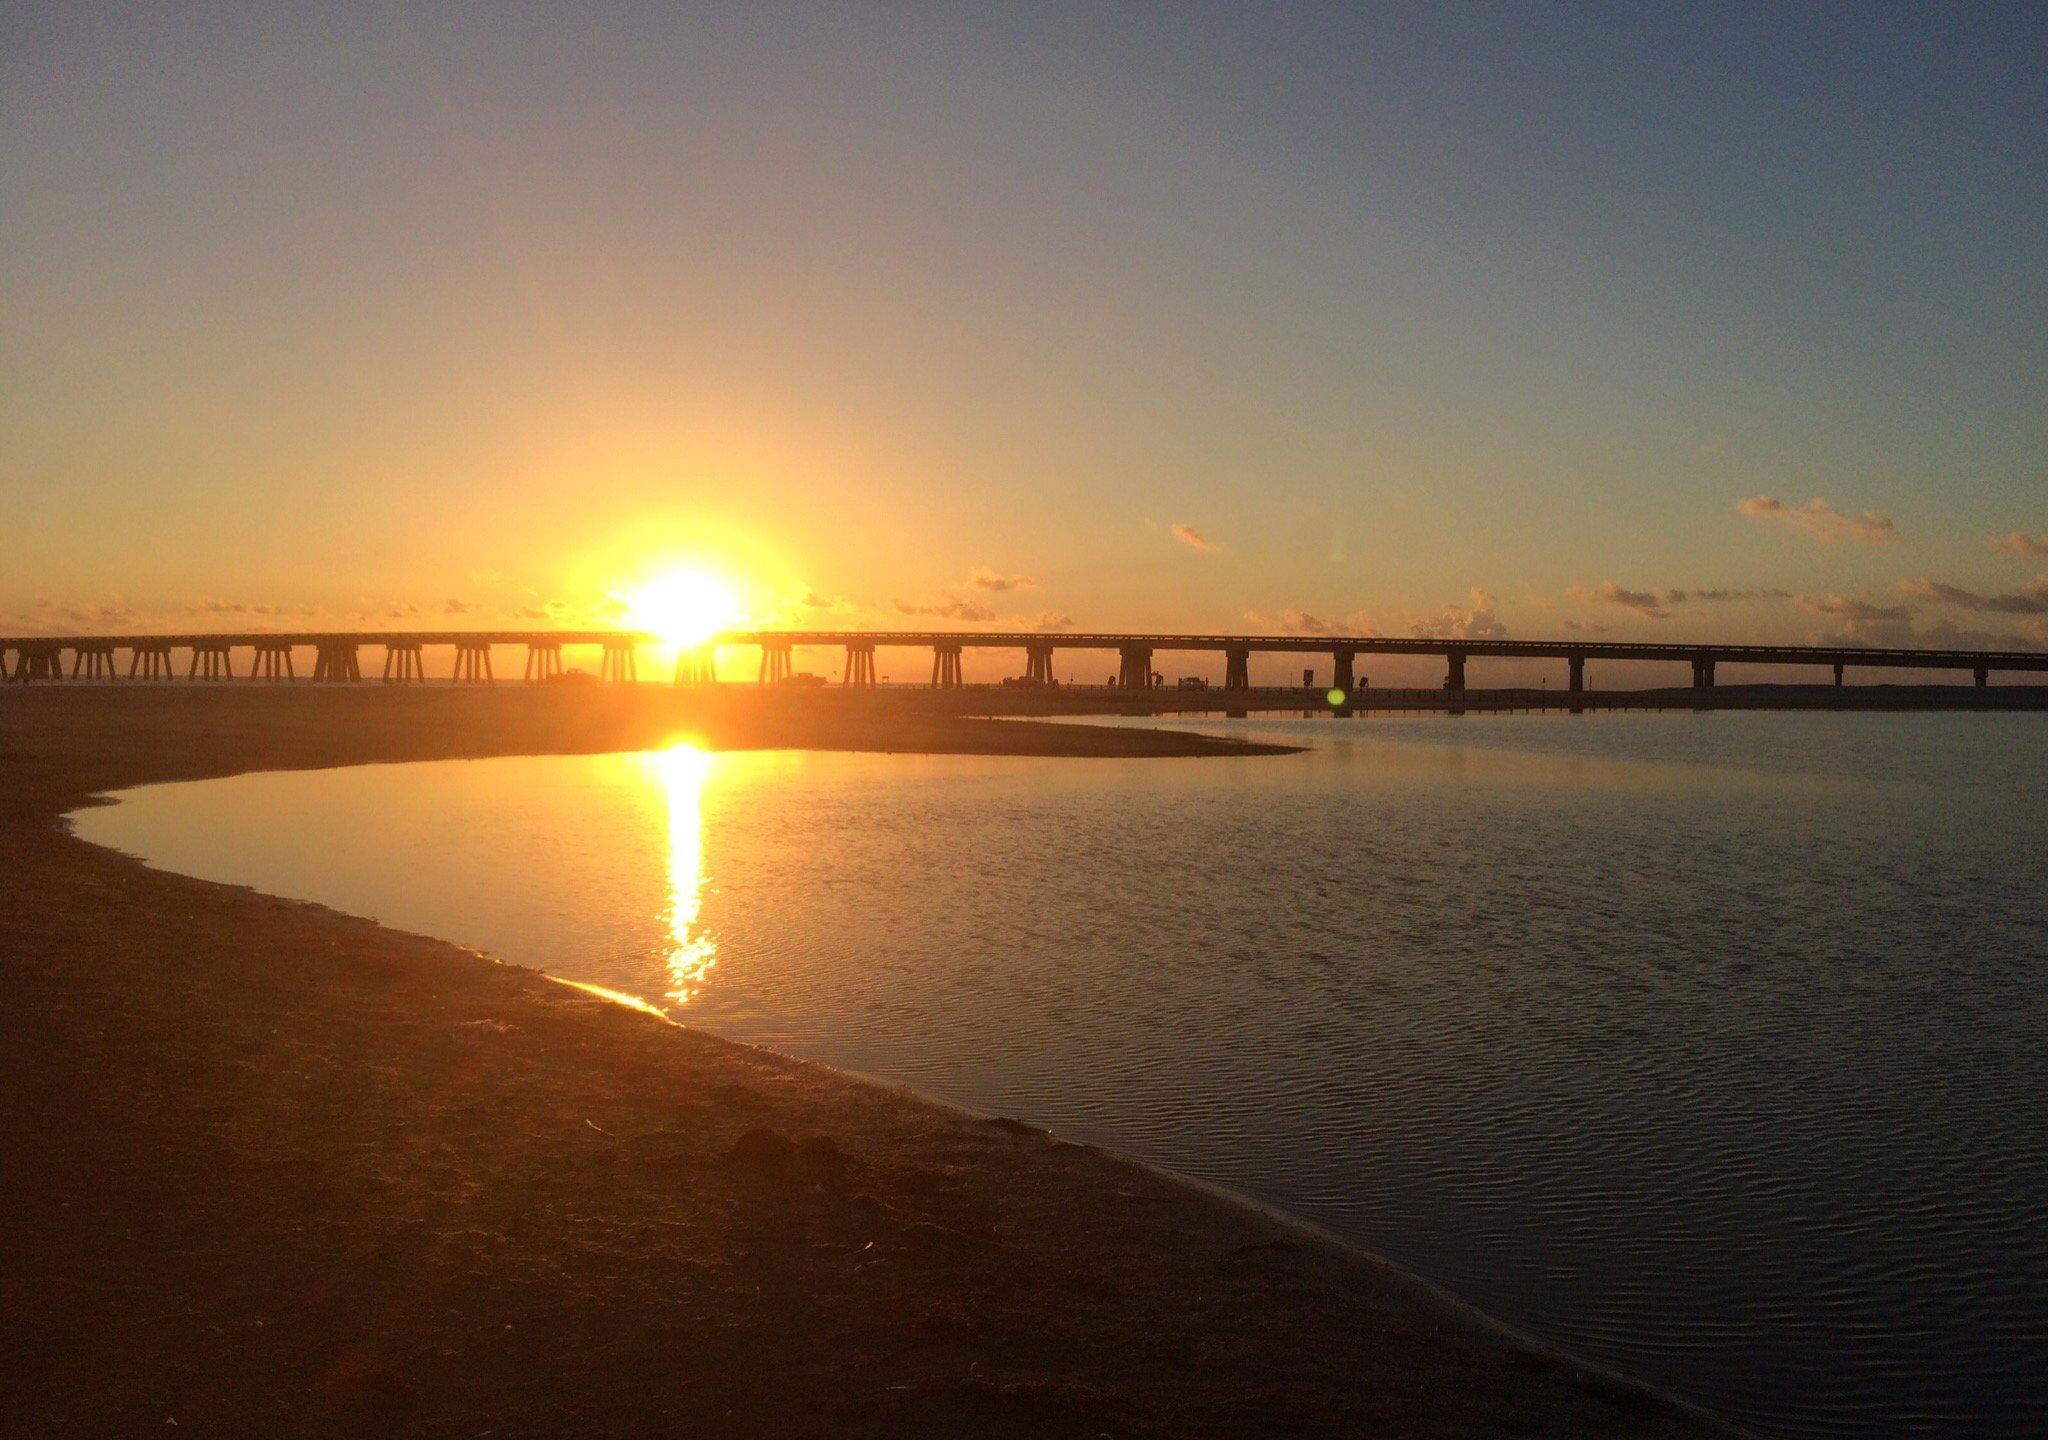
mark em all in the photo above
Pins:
pixel 1708 1046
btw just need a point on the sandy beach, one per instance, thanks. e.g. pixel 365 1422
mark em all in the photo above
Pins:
pixel 275 1170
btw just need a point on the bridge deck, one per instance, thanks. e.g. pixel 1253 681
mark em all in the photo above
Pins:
pixel 946 640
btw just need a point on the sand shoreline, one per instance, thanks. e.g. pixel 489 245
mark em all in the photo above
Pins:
pixel 280 1170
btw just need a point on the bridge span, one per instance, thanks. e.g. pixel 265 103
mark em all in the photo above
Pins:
pixel 336 655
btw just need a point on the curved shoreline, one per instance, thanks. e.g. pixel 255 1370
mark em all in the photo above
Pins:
pixel 674 1228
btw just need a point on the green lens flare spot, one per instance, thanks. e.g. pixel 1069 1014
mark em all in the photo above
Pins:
pixel 1336 698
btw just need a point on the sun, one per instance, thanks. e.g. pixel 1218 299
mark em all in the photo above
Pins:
pixel 683 608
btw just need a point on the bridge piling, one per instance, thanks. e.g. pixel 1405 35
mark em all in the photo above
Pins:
pixel 860 666
pixel 473 664
pixel 95 662
pixel 1134 667
pixel 698 666
pixel 1237 667
pixel 272 662
pixel 403 665
pixel 775 663
pixel 152 661
pixel 1344 672
pixel 945 667
pixel 1982 676
pixel 211 662
pixel 1038 664
pixel 543 660
pixel 335 663
pixel 621 663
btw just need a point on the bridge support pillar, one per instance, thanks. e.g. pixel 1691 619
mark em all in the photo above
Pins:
pixel 860 666
pixel 1134 667
pixel 1344 674
pixel 1982 675
pixel 151 662
pixel 1576 671
pixel 211 662
pixel 697 667
pixel 403 664
pixel 775 666
pixel 621 663
pixel 335 663
pixel 1038 664
pixel 273 662
pixel 1237 668
pixel 473 664
pixel 1703 674
pixel 39 662
pixel 93 662
pixel 1454 681
pixel 1839 667
pixel 946 667
pixel 543 661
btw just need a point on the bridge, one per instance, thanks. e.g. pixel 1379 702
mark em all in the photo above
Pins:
pixel 336 655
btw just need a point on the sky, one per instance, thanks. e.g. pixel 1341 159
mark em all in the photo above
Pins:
pixel 1687 321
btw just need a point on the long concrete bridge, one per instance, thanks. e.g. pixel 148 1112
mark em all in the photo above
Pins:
pixel 336 655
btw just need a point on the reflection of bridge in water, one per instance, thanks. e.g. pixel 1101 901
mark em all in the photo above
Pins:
pixel 336 655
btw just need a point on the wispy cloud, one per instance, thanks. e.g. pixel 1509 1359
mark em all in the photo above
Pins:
pixel 1658 603
pixel 1194 539
pixel 2029 599
pixel 1053 620
pixel 985 578
pixel 1653 603
pixel 1818 520
pixel 2019 543
pixel 951 607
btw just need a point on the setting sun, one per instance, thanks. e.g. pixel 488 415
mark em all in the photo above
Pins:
pixel 683 608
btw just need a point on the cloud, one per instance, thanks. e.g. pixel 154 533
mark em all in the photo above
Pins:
pixel 2019 544
pixel 1053 620
pixel 950 608
pixel 1884 625
pixel 460 607
pixel 1584 627
pixel 230 607
pixel 1844 607
pixel 1657 604
pixel 986 579
pixel 1818 520
pixel 1726 595
pixel 1194 539
pixel 1653 603
pixel 1480 622
pixel 2030 599
pixel 812 600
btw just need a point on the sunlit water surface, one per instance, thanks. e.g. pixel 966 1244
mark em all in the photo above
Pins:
pixel 1713 1047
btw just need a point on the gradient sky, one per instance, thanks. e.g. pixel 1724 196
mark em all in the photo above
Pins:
pixel 1440 317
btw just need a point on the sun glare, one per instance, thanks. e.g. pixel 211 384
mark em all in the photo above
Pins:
pixel 683 608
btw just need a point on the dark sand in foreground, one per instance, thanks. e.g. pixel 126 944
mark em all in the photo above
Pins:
pixel 271 1170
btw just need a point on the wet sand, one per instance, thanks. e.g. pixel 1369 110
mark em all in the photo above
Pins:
pixel 272 1170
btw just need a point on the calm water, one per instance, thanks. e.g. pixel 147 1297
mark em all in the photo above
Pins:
pixel 1713 1047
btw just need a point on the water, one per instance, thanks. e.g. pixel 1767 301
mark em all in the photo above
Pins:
pixel 1711 1047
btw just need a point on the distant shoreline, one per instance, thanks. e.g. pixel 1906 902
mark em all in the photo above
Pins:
pixel 279 1169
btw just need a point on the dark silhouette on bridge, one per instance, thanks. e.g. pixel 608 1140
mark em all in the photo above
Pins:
pixel 336 655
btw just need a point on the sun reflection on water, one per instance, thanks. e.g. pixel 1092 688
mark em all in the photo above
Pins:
pixel 682 770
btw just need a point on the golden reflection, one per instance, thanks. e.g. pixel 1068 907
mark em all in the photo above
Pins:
pixel 683 769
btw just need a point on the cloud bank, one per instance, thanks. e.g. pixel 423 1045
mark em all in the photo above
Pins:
pixel 1818 520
